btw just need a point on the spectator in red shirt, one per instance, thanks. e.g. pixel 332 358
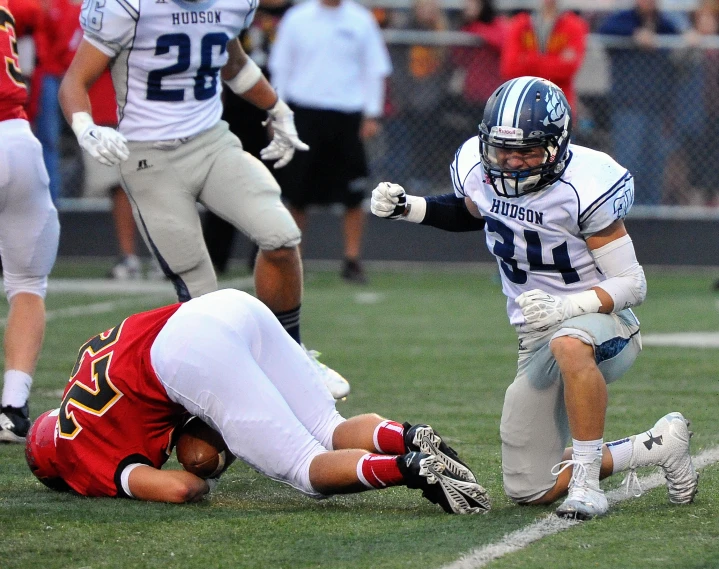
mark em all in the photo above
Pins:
pixel 477 68
pixel 548 43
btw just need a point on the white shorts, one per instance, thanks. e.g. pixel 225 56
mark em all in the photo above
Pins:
pixel 164 186
pixel 226 359
pixel 29 226
pixel 535 427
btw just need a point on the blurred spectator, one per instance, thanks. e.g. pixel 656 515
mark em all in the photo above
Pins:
pixel 420 86
pixel 642 82
pixel 102 181
pixel 330 63
pixel 54 53
pixel 696 124
pixel 476 74
pixel 245 122
pixel 548 43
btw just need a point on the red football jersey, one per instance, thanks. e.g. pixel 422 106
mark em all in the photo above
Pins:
pixel 13 93
pixel 115 411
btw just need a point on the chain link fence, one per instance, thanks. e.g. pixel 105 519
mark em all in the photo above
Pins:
pixel 656 112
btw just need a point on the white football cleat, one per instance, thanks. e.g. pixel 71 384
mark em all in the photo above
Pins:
pixel 585 500
pixel 337 385
pixel 666 444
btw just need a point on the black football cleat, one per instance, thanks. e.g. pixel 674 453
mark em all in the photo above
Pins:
pixel 427 473
pixel 14 424
pixel 423 438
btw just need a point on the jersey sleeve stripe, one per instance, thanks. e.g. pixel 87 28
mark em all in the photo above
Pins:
pixel 132 12
pixel 454 171
pixel 619 187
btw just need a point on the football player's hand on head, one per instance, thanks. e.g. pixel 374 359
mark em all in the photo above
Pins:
pixel 388 200
pixel 284 135
pixel 104 144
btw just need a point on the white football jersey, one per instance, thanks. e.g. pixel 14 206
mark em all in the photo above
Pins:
pixel 539 238
pixel 166 60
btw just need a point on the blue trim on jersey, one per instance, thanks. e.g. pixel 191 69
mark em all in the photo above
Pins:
pixel 134 14
pixel 121 106
pixel 606 196
pixel 454 171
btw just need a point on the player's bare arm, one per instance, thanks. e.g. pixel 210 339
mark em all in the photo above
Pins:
pixel 87 65
pixel 104 144
pixel 245 78
pixel 176 486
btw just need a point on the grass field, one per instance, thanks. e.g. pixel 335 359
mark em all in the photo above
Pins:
pixel 427 345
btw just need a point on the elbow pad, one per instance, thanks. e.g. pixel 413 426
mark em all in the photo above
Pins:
pixel 625 281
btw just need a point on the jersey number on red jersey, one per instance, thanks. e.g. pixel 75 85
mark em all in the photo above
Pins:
pixel 94 399
pixel 12 63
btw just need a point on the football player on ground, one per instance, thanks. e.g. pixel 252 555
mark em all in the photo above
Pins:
pixel 173 150
pixel 29 232
pixel 242 374
pixel 553 217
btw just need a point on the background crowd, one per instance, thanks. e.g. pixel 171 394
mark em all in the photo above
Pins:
pixel 642 82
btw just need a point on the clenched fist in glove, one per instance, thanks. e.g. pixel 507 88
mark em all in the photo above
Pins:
pixel 285 139
pixel 388 200
pixel 104 144
pixel 542 310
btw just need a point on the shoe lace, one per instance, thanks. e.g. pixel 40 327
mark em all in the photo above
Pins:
pixel 578 482
pixel 631 484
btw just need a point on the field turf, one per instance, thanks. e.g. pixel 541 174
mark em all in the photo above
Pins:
pixel 425 344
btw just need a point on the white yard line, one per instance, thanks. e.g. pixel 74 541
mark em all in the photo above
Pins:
pixel 110 286
pixel 551 524
pixel 683 340
pixel 157 292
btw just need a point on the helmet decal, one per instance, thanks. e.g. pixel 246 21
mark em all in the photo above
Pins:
pixel 556 111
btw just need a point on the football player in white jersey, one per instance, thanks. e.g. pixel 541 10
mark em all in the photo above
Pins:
pixel 172 148
pixel 553 217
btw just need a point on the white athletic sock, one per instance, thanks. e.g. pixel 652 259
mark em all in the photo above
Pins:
pixel 587 452
pixel 621 452
pixel 16 389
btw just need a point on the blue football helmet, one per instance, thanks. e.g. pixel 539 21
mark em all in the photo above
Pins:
pixel 526 112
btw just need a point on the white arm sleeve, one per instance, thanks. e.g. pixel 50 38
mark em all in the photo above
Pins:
pixel 125 477
pixel 625 281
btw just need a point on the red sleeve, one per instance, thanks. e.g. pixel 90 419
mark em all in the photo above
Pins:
pixel 565 57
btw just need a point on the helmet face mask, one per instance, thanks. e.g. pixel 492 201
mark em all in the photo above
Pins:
pixel 524 114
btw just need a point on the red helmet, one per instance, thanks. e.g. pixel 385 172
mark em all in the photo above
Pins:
pixel 40 451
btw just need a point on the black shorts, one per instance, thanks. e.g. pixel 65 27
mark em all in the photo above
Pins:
pixel 334 169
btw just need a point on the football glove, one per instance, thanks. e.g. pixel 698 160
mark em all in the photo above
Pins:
pixel 104 144
pixel 284 139
pixel 542 310
pixel 388 200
